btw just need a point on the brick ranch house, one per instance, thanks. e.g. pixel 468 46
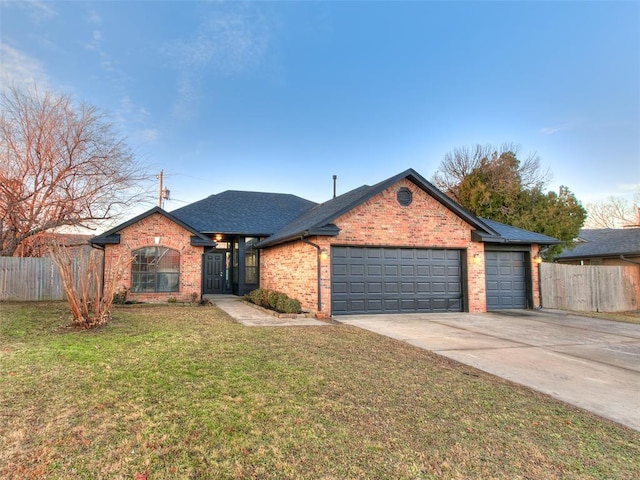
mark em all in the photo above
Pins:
pixel 398 246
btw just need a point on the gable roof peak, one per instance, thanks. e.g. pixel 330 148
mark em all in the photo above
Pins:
pixel 323 215
pixel 106 236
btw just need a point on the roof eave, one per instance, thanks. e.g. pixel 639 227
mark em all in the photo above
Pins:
pixel 240 234
pixel 479 236
pixel 329 230
pixel 197 241
pixel 324 231
pixel 532 242
pixel 105 240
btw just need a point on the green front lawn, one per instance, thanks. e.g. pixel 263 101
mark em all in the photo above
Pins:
pixel 173 392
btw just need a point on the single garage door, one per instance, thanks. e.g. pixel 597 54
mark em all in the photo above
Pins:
pixel 505 280
pixel 393 280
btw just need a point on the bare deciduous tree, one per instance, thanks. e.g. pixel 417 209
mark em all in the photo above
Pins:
pixel 497 185
pixel 459 163
pixel 88 299
pixel 615 212
pixel 60 165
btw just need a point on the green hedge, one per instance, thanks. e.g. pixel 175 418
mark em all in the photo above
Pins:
pixel 278 301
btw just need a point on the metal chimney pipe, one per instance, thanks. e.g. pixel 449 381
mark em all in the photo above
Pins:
pixel 335 177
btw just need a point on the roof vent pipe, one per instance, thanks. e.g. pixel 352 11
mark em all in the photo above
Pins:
pixel 335 177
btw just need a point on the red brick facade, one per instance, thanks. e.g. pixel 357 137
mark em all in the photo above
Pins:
pixel 380 221
pixel 143 234
pixel 535 275
pixel 292 267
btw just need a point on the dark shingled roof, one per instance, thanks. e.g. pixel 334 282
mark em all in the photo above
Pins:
pixel 244 213
pixel 317 220
pixel 605 242
pixel 509 234
pixel 283 217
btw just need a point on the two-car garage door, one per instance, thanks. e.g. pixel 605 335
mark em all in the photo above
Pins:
pixel 392 280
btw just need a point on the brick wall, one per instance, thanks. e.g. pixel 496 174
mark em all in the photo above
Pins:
pixel 380 221
pixel 171 235
pixel 535 275
pixel 291 268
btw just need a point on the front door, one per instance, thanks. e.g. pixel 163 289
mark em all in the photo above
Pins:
pixel 214 272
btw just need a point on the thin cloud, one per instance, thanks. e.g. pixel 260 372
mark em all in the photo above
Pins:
pixel 628 187
pixel 553 130
pixel 149 134
pixel 135 118
pixel 94 18
pixel 39 11
pixel 224 43
pixel 20 68
pixel 628 191
pixel 187 96
pixel 95 44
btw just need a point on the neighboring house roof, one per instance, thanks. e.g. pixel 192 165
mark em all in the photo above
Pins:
pixel 112 236
pixel 604 242
pixel 318 220
pixel 509 234
pixel 38 245
pixel 243 213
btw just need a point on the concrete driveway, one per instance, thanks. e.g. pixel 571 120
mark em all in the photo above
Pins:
pixel 591 363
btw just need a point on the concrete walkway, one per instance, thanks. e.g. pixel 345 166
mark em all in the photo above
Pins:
pixel 255 317
pixel 591 363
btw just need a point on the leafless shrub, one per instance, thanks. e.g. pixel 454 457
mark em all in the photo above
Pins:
pixel 88 299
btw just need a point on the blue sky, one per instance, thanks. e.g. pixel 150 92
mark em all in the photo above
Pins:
pixel 279 96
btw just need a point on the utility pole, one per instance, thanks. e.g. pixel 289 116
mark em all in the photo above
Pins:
pixel 163 193
pixel 159 176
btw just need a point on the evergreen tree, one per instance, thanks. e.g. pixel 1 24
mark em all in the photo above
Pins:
pixel 499 187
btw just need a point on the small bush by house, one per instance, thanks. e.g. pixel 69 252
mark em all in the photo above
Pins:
pixel 278 301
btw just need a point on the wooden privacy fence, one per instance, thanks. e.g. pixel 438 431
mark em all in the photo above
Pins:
pixel 590 288
pixel 25 279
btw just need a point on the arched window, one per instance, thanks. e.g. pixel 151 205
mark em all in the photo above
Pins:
pixel 155 269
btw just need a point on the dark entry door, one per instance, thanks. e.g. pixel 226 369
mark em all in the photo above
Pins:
pixel 214 272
